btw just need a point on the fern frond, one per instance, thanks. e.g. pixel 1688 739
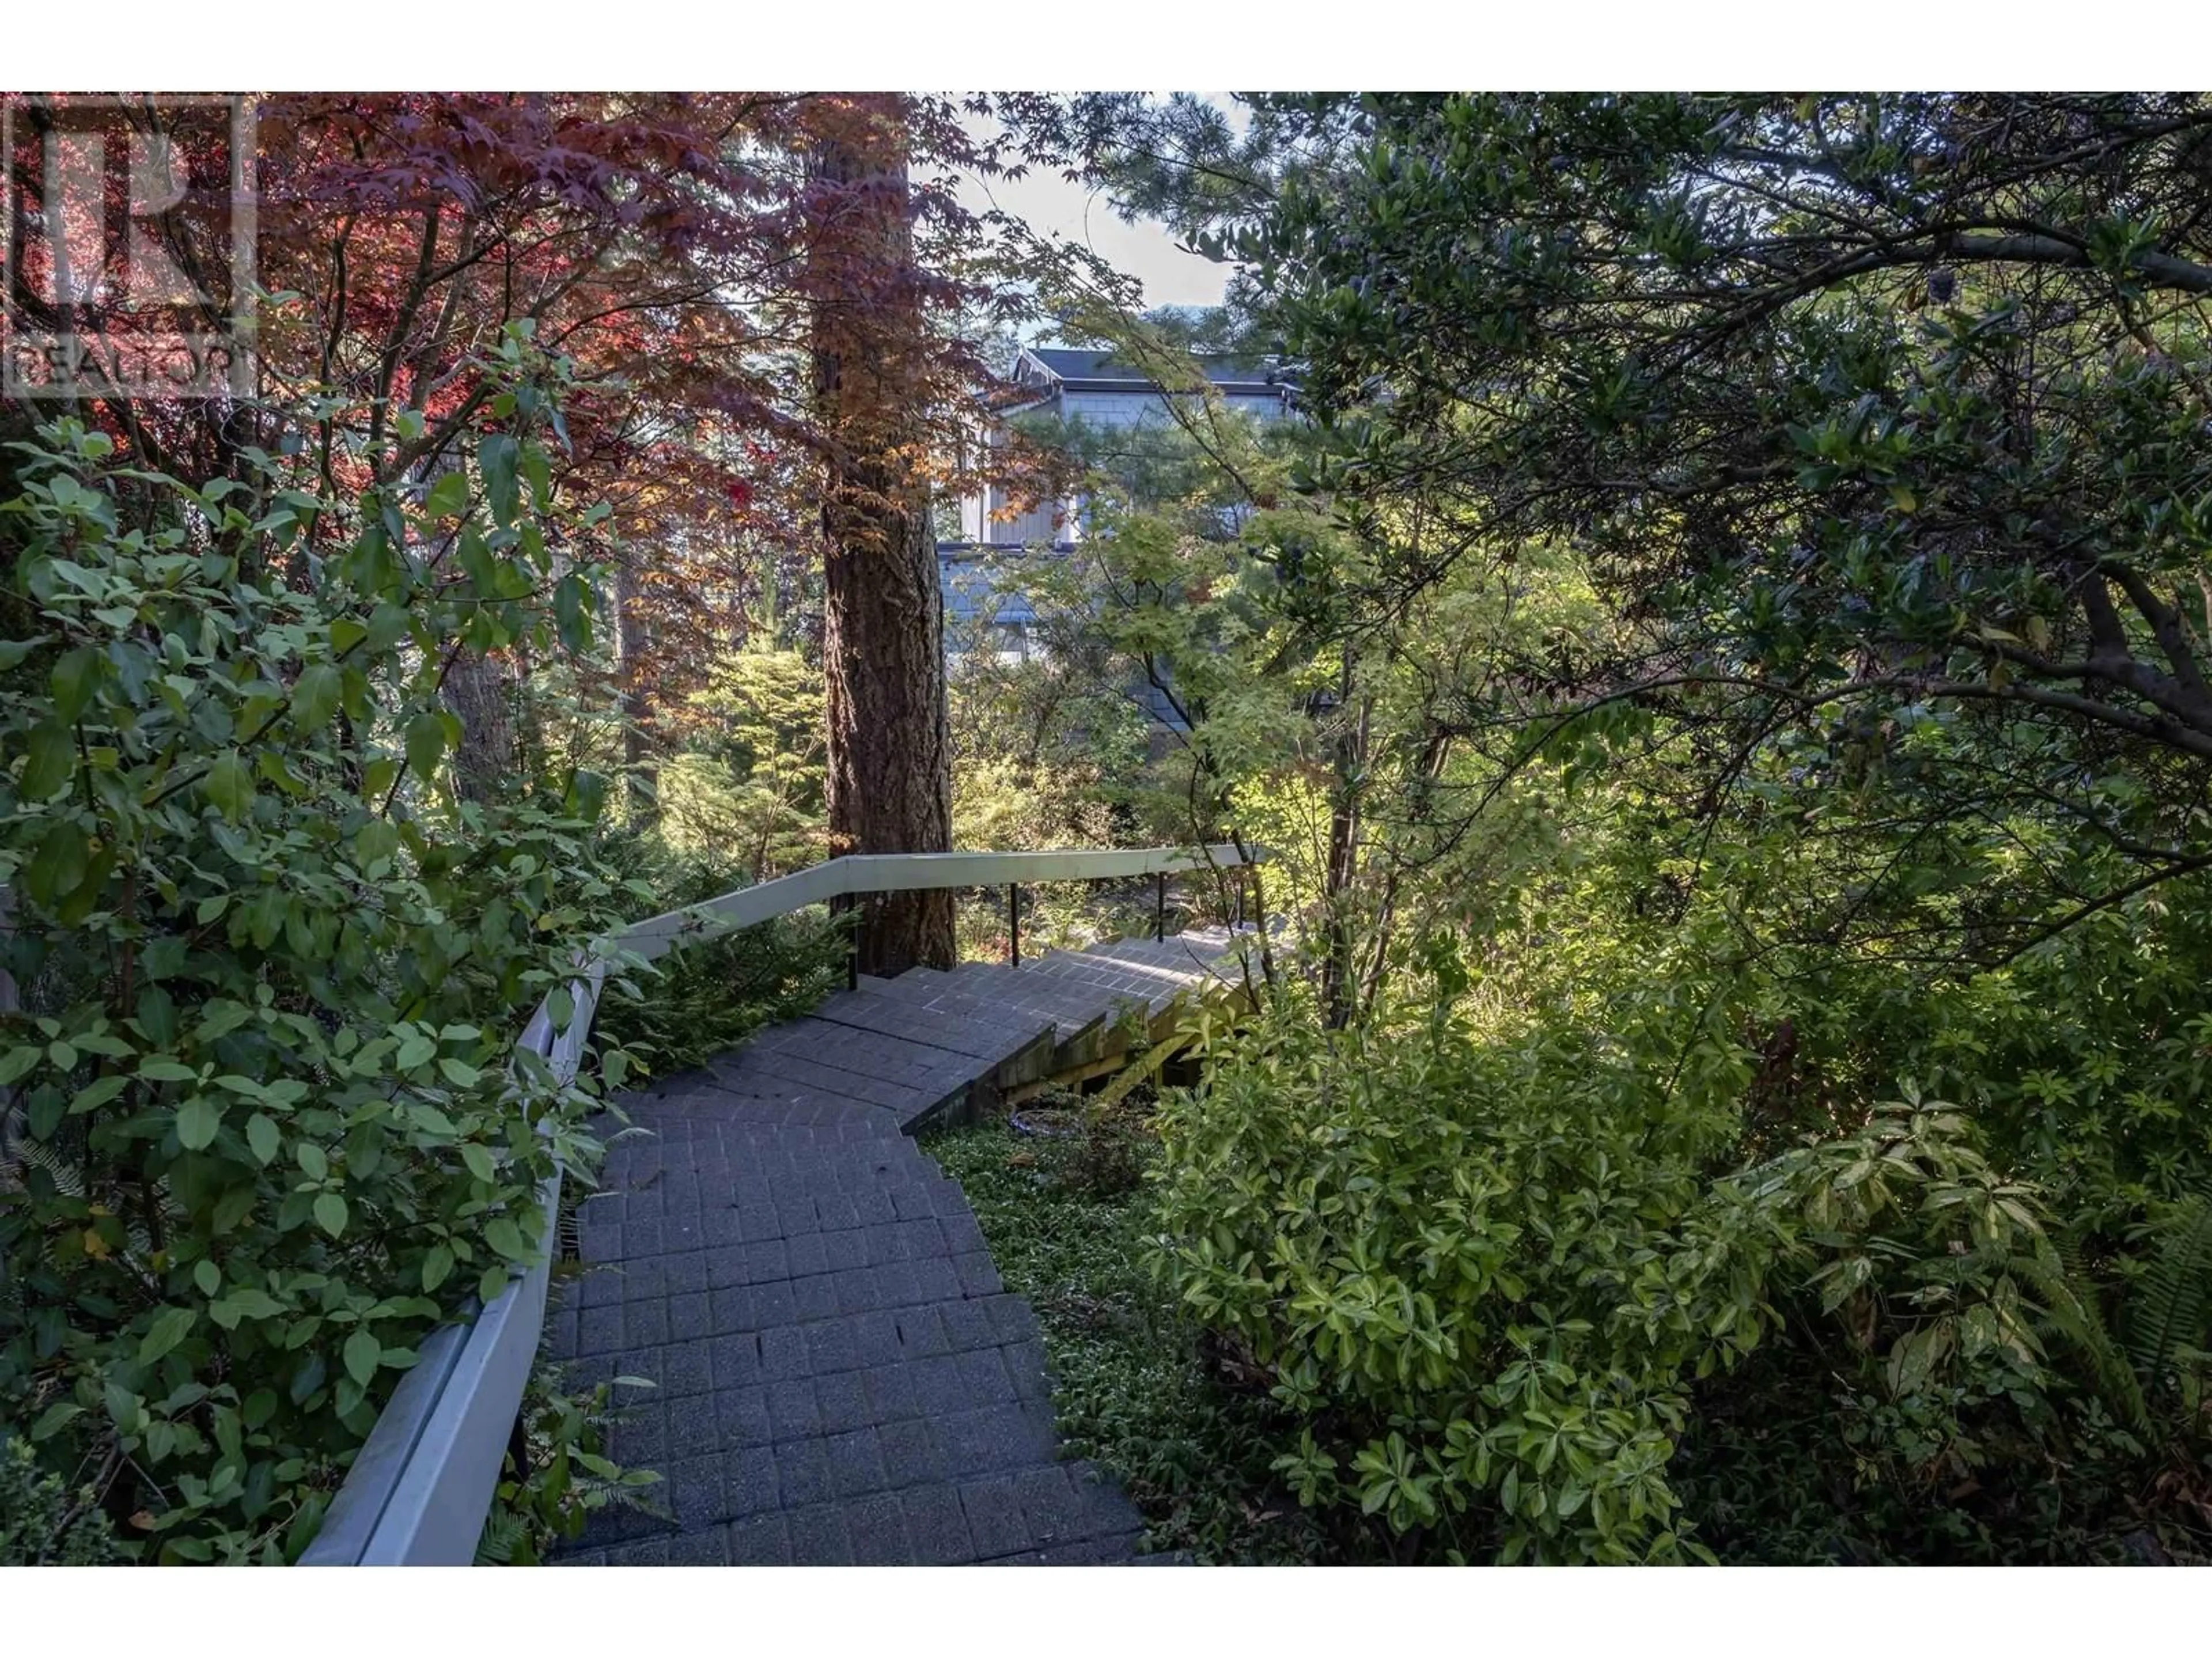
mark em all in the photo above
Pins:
pixel 68 1177
pixel 504 1531
pixel 2172 1302
pixel 2073 1311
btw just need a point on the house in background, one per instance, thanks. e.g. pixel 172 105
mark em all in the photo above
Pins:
pixel 1105 395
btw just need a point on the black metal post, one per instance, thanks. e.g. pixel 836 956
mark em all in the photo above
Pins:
pixel 1014 920
pixel 1160 908
pixel 844 904
pixel 518 1449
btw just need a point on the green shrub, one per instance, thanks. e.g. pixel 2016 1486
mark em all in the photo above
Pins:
pixel 557 1474
pixel 1929 1261
pixel 267 1135
pixel 1502 1283
pixel 42 1524
pixel 749 787
pixel 1484 1278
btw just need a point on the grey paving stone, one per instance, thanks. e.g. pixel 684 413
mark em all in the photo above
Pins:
pixel 732 1309
pixel 937 1279
pixel 750 1482
pixel 734 1361
pixel 784 1353
pixel 898 1284
pixel 685 1272
pixel 627 1525
pixel 968 1325
pixel 741 1420
pixel 802 1469
pixel 994 1512
pixel 641 1439
pixel 877 1526
pixel 599 1330
pixel 693 1489
pixel 818 1538
pixel 1054 1511
pixel 793 1412
pixel 997 1438
pixel 1026 1368
pixel 759 1541
pixel 689 1317
pixel 960 1233
pixel 817 1297
pixel 681 1369
pixel 982 1377
pixel 773 1307
pixel 890 1394
pixel 911 1453
pixel 843 1402
pixel 856 1463
pixel 692 1424
pixel 920 1331
pixel 937 1525
pixel 833 1345
pixel 938 1388
pixel 1013 1319
pixel 1119 1551
pixel 1106 1507
pixel 709 1547
pixel 978 1277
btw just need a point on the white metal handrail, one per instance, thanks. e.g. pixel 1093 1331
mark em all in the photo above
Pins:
pixel 421 1486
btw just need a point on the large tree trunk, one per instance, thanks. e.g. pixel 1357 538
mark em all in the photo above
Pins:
pixel 889 783
pixel 479 692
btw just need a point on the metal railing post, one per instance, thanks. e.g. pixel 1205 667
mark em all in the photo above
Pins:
pixel 844 905
pixel 1014 921
pixel 1160 908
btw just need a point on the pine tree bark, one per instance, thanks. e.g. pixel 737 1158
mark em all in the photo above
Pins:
pixel 889 785
pixel 478 691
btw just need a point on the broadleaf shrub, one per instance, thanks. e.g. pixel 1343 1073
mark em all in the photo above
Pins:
pixel 42 1522
pixel 1492 1276
pixel 265 1132
pixel 1485 1277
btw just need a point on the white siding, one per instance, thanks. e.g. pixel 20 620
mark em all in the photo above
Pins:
pixel 1060 523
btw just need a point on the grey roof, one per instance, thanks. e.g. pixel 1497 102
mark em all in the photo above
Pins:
pixel 1091 370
